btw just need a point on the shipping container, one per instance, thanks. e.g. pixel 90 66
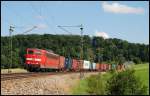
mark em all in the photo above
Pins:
pixel 97 66
pixel 120 67
pixel 68 63
pixel 62 62
pixel 94 66
pixel 86 64
pixel 91 66
pixel 104 67
pixel 80 62
pixel 113 66
pixel 109 66
pixel 101 67
pixel 75 65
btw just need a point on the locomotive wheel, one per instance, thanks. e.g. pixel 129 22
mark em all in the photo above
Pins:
pixel 43 70
pixel 37 69
pixel 29 68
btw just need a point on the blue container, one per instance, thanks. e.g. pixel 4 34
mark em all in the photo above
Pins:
pixel 68 63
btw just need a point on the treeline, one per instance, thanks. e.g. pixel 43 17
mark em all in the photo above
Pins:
pixel 95 49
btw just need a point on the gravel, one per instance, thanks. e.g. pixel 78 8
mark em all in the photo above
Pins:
pixel 44 85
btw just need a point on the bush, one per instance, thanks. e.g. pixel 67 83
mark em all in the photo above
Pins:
pixel 125 83
pixel 137 60
pixel 96 85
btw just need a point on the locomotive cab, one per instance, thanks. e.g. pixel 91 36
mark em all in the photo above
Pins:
pixel 33 58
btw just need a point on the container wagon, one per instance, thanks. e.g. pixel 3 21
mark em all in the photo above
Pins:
pixel 37 59
pixel 68 64
pixel 75 65
pixel 86 65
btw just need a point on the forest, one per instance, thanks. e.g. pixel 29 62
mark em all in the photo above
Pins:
pixel 95 49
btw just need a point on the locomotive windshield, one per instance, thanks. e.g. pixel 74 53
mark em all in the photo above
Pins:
pixel 30 52
pixel 34 52
pixel 37 52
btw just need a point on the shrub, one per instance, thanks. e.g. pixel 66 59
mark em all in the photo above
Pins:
pixel 125 83
pixel 137 60
pixel 96 85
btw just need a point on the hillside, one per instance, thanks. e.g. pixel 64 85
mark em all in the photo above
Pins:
pixel 95 48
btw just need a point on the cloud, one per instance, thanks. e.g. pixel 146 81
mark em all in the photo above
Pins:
pixel 42 26
pixel 119 8
pixel 102 34
pixel 40 17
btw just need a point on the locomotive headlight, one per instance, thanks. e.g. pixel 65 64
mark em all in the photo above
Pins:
pixel 37 59
pixel 28 58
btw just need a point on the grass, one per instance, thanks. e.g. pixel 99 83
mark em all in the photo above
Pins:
pixel 141 71
pixel 80 89
pixel 16 70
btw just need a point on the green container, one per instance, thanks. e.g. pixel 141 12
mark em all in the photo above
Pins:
pixel 113 66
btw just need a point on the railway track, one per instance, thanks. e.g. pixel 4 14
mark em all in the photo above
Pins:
pixel 23 75
pixel 13 76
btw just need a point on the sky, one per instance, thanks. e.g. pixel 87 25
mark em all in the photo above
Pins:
pixel 126 20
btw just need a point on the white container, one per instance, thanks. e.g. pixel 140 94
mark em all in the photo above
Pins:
pixel 94 65
pixel 86 64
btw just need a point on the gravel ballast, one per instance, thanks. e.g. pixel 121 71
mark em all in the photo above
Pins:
pixel 44 85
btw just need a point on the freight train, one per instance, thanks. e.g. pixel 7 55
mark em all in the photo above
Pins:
pixel 39 60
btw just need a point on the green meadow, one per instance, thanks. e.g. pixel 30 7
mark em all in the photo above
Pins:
pixel 141 71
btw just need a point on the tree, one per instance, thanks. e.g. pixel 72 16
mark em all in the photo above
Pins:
pixel 121 59
pixel 136 60
pixel 125 83
pixel 61 44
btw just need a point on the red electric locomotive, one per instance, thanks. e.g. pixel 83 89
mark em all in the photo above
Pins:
pixel 37 59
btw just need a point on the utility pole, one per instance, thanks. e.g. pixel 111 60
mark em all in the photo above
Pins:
pixel 81 48
pixel 10 34
pixel 81 54
pixel 100 55
pixel 91 56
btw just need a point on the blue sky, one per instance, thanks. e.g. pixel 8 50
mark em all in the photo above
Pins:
pixel 127 20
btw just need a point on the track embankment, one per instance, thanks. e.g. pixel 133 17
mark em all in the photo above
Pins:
pixel 48 84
